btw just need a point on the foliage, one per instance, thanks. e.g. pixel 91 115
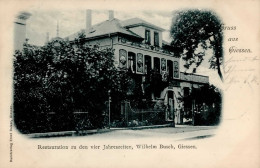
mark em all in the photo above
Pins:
pixel 209 99
pixel 63 77
pixel 208 94
pixel 193 32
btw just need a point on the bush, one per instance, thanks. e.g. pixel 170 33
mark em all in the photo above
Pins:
pixel 63 77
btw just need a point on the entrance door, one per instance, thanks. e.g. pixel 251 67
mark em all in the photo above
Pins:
pixel 170 109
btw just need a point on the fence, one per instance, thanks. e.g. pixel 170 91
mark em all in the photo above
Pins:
pixel 146 113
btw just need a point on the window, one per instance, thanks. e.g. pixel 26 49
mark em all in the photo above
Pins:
pixel 157 64
pixel 170 68
pixel 147 37
pixel 176 69
pixel 131 61
pixel 122 58
pixel 163 64
pixel 156 39
pixel 140 63
pixel 186 91
pixel 148 64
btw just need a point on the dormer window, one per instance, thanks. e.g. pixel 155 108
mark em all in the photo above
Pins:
pixel 156 39
pixel 147 37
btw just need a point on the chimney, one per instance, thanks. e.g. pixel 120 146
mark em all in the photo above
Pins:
pixel 111 14
pixel 88 21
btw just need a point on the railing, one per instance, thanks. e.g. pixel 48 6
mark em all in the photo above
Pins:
pixel 145 46
pixel 148 106
pixel 149 113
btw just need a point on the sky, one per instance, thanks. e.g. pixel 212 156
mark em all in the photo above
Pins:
pixel 42 22
pixel 71 21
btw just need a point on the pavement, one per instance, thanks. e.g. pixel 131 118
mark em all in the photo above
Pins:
pixel 89 132
pixel 179 132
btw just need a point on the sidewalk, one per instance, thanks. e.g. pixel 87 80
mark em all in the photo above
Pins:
pixel 97 131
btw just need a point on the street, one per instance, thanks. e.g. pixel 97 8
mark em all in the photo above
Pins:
pixel 177 133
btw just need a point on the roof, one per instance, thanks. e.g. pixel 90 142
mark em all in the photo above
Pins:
pixel 57 39
pixel 166 42
pixel 194 78
pixel 104 28
pixel 134 22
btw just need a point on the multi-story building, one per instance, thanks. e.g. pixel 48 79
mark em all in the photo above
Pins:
pixel 139 47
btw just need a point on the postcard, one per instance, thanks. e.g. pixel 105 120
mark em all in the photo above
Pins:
pixel 130 84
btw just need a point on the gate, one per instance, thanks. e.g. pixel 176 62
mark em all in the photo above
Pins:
pixel 151 112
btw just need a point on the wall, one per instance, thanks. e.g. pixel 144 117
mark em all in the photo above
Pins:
pixel 194 77
pixel 20 36
pixel 140 30
pixel 103 42
pixel 20 30
pixel 143 51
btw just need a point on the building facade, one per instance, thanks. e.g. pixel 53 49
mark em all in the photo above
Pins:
pixel 139 47
pixel 20 30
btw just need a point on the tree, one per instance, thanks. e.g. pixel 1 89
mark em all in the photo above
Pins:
pixel 194 29
pixel 63 77
pixel 207 96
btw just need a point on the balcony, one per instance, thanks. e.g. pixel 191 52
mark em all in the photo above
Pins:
pixel 194 78
pixel 141 45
